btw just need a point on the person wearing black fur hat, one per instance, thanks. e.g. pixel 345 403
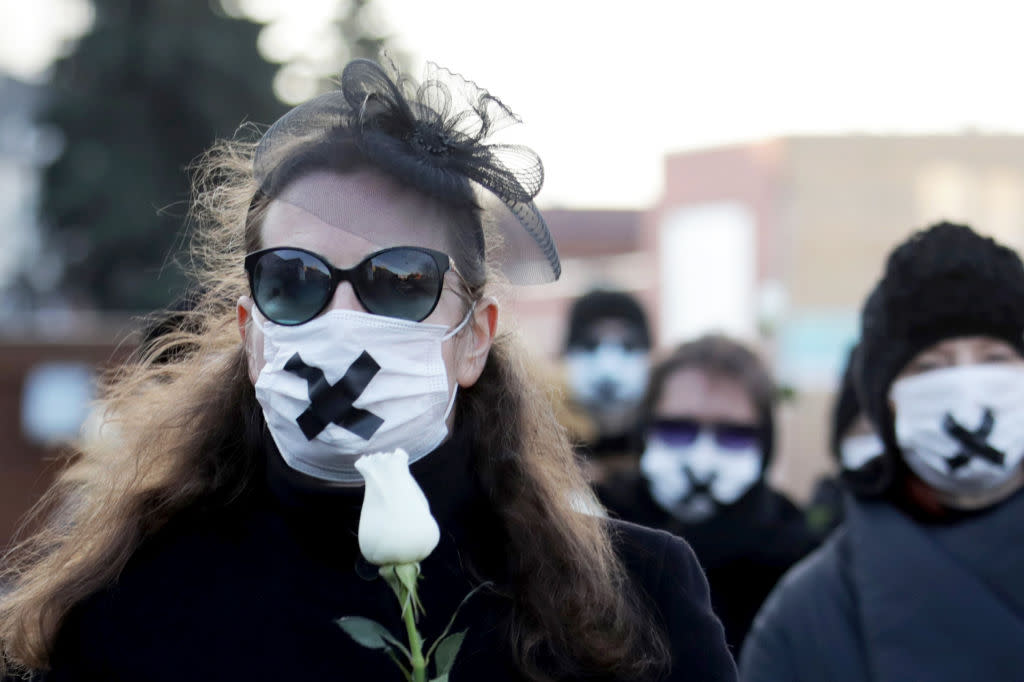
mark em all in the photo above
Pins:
pixel 709 432
pixel 607 362
pixel 925 581
pixel 856 448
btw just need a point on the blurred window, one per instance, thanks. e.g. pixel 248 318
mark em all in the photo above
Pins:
pixel 708 271
pixel 55 400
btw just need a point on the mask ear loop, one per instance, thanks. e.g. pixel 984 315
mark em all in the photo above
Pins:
pixel 453 332
pixel 461 325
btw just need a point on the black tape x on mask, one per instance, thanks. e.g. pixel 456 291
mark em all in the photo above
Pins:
pixel 349 383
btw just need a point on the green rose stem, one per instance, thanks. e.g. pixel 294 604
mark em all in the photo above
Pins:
pixel 403 579
pixel 419 664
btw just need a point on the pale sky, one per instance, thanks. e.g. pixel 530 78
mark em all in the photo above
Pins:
pixel 607 88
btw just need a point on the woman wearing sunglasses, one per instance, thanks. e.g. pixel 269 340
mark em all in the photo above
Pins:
pixel 224 547
pixel 709 415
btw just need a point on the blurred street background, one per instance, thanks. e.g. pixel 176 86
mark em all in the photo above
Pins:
pixel 739 166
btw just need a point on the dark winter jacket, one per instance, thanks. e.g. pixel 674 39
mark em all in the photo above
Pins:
pixel 744 549
pixel 889 599
pixel 253 593
pixel 824 512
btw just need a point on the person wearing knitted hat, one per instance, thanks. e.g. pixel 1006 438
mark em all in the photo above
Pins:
pixel 607 362
pixel 709 428
pixel 925 581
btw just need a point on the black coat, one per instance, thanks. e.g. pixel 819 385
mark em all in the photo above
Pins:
pixel 252 594
pixel 744 549
pixel 889 599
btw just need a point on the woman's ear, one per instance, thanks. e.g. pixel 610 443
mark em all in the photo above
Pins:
pixel 252 337
pixel 482 328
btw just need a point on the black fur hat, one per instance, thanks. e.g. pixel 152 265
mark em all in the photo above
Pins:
pixel 846 407
pixel 845 411
pixel 942 283
pixel 605 304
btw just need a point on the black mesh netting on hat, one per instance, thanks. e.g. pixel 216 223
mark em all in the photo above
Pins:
pixel 430 136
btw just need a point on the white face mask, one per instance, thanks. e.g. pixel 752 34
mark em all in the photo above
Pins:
pixel 607 376
pixel 856 451
pixel 691 482
pixel 961 430
pixel 349 383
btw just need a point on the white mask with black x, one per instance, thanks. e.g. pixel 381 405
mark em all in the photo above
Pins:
pixel 961 429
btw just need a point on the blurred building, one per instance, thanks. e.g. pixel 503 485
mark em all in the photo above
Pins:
pixel 778 242
pixel 49 368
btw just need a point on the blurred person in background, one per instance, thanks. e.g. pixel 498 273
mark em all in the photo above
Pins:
pixel 607 360
pixel 709 426
pixel 345 257
pixel 925 580
pixel 857 450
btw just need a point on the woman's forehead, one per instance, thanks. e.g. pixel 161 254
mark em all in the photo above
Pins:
pixel 696 393
pixel 338 214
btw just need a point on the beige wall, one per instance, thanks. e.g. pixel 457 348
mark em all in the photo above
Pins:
pixel 847 201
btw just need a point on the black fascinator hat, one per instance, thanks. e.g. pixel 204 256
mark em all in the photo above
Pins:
pixel 430 136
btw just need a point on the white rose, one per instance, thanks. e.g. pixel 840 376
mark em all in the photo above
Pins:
pixel 395 525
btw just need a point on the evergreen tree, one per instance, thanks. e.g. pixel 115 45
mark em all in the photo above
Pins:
pixel 151 86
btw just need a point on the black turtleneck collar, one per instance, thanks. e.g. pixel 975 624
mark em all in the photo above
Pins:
pixel 315 507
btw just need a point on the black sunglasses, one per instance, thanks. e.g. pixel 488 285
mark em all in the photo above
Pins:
pixel 292 286
pixel 684 432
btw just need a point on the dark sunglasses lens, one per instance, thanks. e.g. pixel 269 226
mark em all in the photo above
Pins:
pixel 676 432
pixel 290 287
pixel 735 437
pixel 402 283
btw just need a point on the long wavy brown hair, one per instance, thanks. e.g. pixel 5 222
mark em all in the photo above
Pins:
pixel 182 428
